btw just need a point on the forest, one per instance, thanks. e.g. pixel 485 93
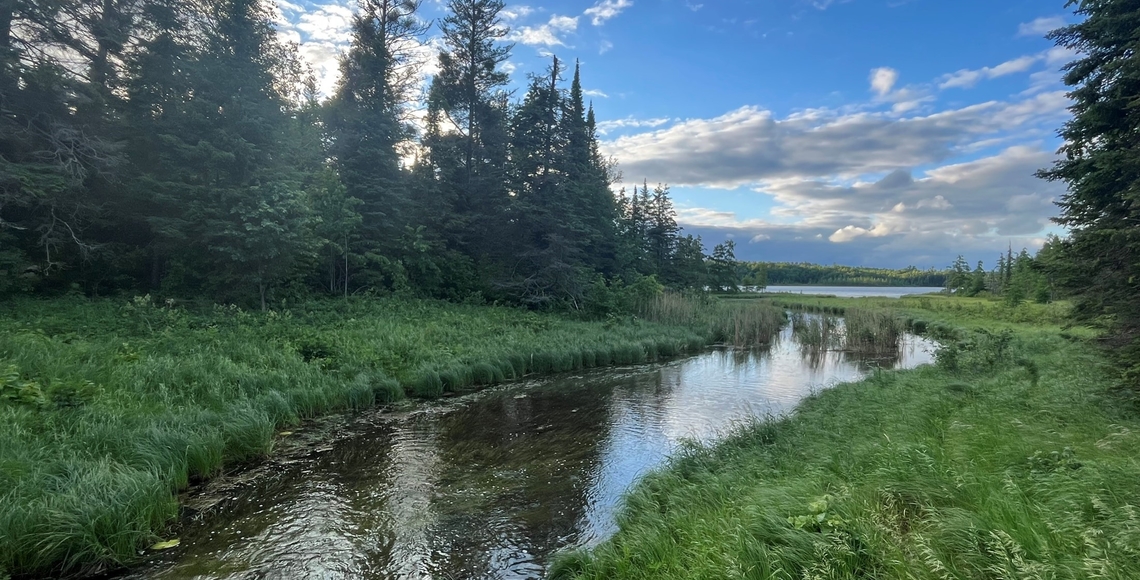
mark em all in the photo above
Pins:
pixel 182 149
pixel 805 274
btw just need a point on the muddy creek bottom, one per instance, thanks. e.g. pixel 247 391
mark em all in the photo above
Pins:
pixel 492 485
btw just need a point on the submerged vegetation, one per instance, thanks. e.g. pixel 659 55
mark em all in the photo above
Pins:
pixel 109 407
pixel 1012 457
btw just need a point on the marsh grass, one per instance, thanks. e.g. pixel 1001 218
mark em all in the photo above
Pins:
pixel 976 471
pixel 738 323
pixel 873 332
pixel 108 408
pixel 817 333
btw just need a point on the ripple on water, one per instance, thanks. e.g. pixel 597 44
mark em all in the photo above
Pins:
pixel 490 485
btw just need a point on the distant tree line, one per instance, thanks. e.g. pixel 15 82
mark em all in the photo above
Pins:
pixel 182 148
pixel 806 274
pixel 1015 277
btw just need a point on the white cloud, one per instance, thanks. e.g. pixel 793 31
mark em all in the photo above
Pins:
pixel 883 79
pixel 1059 55
pixel 604 127
pixel 515 12
pixel 750 145
pixel 605 10
pixel 328 23
pixel 549 34
pixel 595 93
pixel 966 78
pixel 1040 26
pixel 974 207
pixel 605 47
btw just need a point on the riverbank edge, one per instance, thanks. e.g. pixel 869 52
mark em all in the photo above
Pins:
pixel 673 515
pixel 165 513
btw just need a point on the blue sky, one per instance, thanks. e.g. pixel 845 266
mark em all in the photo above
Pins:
pixel 864 132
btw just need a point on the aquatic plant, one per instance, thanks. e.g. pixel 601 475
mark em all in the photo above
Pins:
pixel 741 323
pixel 872 331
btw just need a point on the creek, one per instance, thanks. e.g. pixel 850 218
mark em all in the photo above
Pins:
pixel 491 484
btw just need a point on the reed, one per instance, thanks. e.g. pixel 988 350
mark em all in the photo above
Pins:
pixel 815 332
pixel 872 331
pixel 741 323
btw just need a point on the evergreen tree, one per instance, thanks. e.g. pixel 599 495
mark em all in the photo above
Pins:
pixel 367 125
pixel 1100 165
pixel 661 233
pixel 591 205
pixel 215 161
pixel 468 127
pixel 977 283
pixel 723 266
pixel 958 279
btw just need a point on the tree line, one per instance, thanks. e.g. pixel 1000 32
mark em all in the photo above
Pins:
pixel 807 274
pixel 183 148
pixel 1015 277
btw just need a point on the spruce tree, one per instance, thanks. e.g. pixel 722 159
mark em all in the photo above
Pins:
pixel 468 128
pixel 1101 166
pixel 367 125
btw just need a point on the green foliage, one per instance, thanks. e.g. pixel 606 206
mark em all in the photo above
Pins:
pixel 818 519
pixel 872 331
pixel 912 474
pixel 762 274
pixel 131 401
pixel 1099 262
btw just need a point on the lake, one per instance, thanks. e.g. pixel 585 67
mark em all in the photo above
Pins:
pixel 853 291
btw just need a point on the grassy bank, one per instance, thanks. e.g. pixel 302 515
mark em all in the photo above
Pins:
pixel 1011 458
pixel 107 408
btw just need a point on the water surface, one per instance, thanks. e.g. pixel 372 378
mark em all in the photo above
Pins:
pixel 855 291
pixel 492 484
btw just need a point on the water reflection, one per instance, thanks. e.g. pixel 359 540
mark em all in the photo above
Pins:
pixel 488 486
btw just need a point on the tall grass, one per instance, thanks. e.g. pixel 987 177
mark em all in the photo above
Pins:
pixel 735 322
pixel 872 331
pixel 816 333
pixel 107 408
pixel 979 470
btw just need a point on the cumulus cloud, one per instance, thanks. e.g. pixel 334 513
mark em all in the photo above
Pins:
pixel 883 79
pixel 595 93
pixel 515 12
pixel 899 219
pixel 606 9
pixel 549 34
pixel 750 145
pixel 1040 26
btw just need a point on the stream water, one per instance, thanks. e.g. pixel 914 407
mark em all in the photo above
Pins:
pixel 492 484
